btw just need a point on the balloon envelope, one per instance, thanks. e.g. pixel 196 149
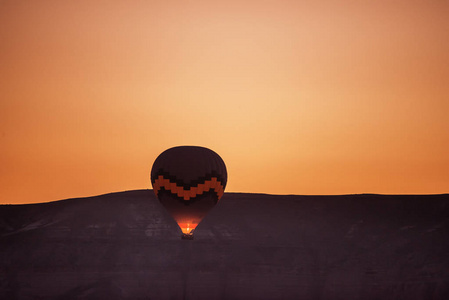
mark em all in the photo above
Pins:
pixel 188 181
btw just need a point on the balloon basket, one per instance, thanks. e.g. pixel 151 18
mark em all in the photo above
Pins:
pixel 187 236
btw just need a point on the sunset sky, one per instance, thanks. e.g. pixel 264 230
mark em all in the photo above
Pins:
pixel 297 97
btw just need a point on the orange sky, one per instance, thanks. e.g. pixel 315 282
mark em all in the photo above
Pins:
pixel 298 97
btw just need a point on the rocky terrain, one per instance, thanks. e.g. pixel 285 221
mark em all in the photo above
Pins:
pixel 251 246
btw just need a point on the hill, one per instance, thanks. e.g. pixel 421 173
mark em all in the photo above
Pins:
pixel 251 246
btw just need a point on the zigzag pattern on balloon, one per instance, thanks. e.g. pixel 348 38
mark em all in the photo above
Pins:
pixel 191 192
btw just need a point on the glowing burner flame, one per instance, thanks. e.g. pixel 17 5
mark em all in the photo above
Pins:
pixel 187 228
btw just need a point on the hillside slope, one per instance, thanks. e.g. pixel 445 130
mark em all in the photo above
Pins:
pixel 251 246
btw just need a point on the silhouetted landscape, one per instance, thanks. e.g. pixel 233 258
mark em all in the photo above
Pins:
pixel 250 246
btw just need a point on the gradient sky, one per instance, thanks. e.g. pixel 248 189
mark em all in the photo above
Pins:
pixel 298 97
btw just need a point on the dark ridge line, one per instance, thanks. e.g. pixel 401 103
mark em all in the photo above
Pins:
pixel 225 193
pixel 83 197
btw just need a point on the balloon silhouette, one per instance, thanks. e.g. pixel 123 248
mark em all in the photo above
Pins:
pixel 188 181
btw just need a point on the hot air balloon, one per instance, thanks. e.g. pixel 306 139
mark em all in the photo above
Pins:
pixel 188 181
